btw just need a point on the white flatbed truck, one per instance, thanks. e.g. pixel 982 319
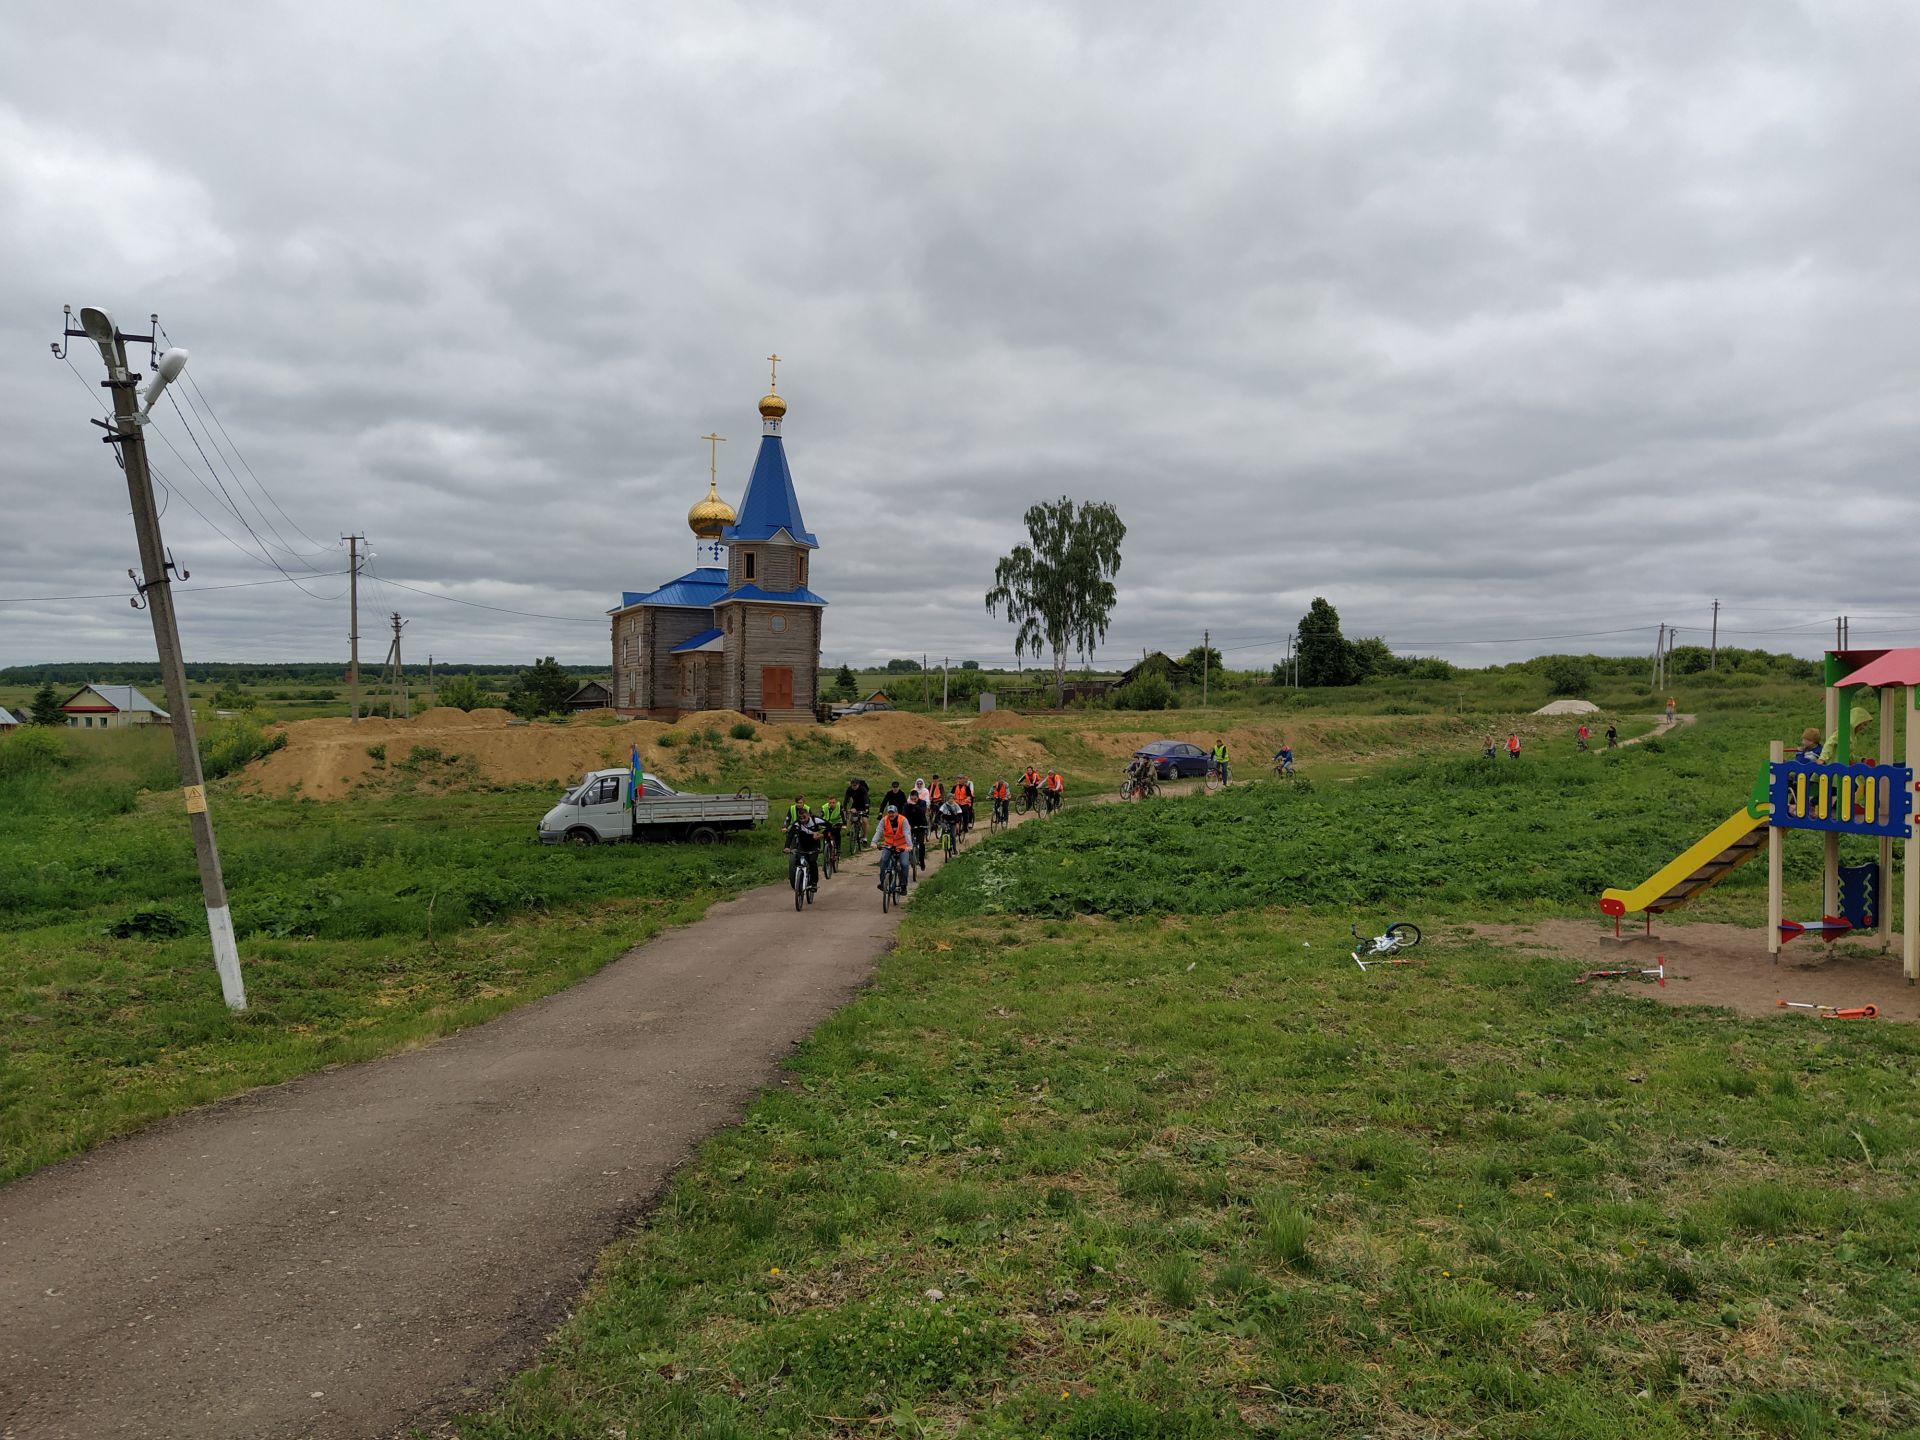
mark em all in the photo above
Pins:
pixel 594 812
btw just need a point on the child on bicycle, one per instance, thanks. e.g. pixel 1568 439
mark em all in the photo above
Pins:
pixel 947 818
pixel 803 839
pixel 963 797
pixel 1283 759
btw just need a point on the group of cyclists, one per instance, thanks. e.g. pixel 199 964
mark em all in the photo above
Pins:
pixel 909 817
pixel 1143 770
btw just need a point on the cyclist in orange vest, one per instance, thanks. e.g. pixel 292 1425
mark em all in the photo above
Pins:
pixel 1030 783
pixel 896 841
pixel 963 797
pixel 1056 789
pixel 1001 797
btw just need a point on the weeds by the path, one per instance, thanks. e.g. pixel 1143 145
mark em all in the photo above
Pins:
pixel 1162 1177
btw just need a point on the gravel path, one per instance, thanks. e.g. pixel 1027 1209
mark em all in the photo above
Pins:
pixel 367 1248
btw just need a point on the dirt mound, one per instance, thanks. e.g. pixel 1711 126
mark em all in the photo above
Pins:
pixel 1000 720
pixel 721 720
pixel 1568 707
pixel 889 732
pixel 326 759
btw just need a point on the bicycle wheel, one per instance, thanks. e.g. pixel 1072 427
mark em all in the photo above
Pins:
pixel 887 883
pixel 829 861
pixel 1403 934
pixel 799 887
pixel 1126 789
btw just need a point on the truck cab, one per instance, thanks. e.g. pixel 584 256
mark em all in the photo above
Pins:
pixel 595 812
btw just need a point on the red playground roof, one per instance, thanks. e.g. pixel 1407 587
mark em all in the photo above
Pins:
pixel 1895 667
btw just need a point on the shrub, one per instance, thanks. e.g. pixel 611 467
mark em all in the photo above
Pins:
pixel 33 752
pixel 670 738
pixel 1566 675
pixel 743 730
pixel 1146 692
pixel 463 692
pixel 232 745
pixel 377 754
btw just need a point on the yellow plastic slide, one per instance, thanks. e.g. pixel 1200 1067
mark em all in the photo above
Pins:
pixel 1698 869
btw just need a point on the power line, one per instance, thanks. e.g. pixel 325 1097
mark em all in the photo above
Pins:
pixel 501 609
pixel 121 594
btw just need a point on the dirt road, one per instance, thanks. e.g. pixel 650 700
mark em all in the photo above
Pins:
pixel 366 1248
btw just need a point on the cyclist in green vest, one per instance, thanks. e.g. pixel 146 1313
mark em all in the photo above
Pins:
pixel 1220 761
pixel 832 818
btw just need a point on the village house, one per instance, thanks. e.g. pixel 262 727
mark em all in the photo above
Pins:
pixel 111 707
pixel 740 631
pixel 9 720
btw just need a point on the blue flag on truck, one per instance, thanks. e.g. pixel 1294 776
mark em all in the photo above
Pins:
pixel 636 782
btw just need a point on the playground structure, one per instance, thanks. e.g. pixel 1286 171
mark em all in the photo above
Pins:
pixel 1832 795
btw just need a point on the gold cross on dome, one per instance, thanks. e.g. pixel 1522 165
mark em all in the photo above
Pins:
pixel 774 383
pixel 713 454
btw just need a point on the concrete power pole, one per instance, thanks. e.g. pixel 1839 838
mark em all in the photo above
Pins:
pixel 944 659
pixel 1713 655
pixel 353 618
pixel 156 594
pixel 398 706
pixel 432 697
pixel 1659 644
pixel 1206 644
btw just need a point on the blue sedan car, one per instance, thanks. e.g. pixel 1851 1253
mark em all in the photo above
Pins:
pixel 1174 759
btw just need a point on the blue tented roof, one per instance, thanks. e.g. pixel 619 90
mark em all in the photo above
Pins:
pixel 802 596
pixel 698 642
pixel 695 590
pixel 770 505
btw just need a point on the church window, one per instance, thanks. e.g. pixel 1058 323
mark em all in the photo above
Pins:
pixel 800 569
pixel 749 564
pixel 779 623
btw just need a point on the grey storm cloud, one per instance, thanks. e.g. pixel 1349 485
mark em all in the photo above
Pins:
pixel 1486 321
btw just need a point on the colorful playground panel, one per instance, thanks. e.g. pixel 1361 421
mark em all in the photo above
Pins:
pixel 1850 799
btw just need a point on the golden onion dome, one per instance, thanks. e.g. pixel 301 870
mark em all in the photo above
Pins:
pixel 711 516
pixel 772 407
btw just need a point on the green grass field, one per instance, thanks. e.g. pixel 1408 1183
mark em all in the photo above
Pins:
pixel 1121 1144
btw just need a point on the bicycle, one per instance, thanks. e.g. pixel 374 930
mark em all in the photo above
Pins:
pixel 1001 820
pixel 892 891
pixel 1385 947
pixel 949 842
pixel 1029 799
pixel 1283 769
pixel 1218 777
pixel 829 855
pixel 919 851
pixel 1053 801
pixel 803 881
pixel 858 823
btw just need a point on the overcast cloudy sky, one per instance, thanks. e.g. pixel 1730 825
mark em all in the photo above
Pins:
pixel 1485 320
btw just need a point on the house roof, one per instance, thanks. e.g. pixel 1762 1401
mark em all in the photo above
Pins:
pixel 116 697
pixel 695 590
pixel 7 717
pixel 801 596
pixel 592 687
pixel 1896 667
pixel 705 640
pixel 770 506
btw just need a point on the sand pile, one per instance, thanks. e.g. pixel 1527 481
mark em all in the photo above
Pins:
pixel 889 732
pixel 1568 707
pixel 1001 720
pixel 326 759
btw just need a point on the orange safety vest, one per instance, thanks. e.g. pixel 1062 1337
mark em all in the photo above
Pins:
pixel 938 792
pixel 1032 777
pixel 894 833
pixel 1055 782
pixel 1000 790
pixel 963 794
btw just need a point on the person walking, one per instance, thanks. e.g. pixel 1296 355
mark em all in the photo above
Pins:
pixel 1670 712
pixel 1492 745
pixel 1613 735
pixel 1513 745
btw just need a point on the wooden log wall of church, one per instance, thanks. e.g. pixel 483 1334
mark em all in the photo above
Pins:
pixel 669 628
pixel 627 636
pixel 773 569
pixel 795 645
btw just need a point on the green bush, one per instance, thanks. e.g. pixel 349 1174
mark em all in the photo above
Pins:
pixel 1566 675
pixel 743 730
pixel 1147 692
pixel 229 746
pixel 33 751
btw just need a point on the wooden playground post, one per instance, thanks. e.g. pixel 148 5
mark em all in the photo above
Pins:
pixel 1884 903
pixel 1909 872
pixel 1776 752
pixel 1839 715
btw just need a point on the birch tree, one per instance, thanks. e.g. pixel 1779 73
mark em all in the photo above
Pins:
pixel 1057 591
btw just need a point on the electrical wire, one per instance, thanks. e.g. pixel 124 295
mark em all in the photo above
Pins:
pixel 500 609
pixel 178 589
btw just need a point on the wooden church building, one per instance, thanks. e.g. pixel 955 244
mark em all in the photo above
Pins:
pixel 741 630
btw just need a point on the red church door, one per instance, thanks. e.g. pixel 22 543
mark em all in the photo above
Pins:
pixel 776 687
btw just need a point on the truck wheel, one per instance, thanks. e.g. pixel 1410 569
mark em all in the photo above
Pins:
pixel 703 835
pixel 582 836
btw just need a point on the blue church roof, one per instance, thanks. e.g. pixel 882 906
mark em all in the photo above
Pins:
pixel 698 642
pixel 695 590
pixel 801 596
pixel 770 505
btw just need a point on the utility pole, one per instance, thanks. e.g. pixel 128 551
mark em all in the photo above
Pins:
pixel 1659 644
pixel 353 618
pixel 432 698
pixel 1206 643
pixel 1846 632
pixel 398 706
pixel 1713 655
pixel 943 683
pixel 156 594
pixel 926 683
pixel 1839 625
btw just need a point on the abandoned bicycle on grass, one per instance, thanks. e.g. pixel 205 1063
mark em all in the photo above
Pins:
pixel 1385 948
